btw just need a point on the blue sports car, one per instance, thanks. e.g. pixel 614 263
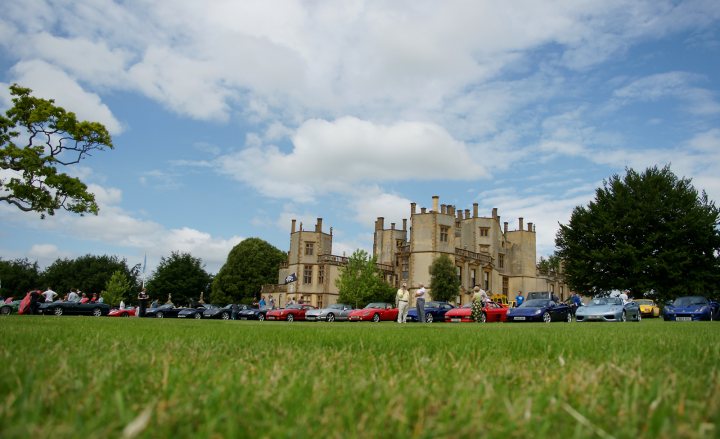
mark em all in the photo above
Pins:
pixel 540 310
pixel 434 312
pixel 691 308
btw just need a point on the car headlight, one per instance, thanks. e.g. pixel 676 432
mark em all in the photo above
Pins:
pixel 507 312
pixel 702 309
pixel 538 311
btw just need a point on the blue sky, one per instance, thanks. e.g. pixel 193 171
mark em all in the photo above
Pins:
pixel 231 118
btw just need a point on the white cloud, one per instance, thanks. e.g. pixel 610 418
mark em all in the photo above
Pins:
pixel 50 82
pixel 677 85
pixel 364 151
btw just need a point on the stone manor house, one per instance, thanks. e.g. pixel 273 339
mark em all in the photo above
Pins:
pixel 485 252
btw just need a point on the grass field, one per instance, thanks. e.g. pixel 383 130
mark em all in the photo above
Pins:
pixel 66 377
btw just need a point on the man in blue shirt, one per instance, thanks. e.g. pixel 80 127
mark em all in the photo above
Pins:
pixel 519 299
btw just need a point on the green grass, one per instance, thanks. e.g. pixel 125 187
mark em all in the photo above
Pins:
pixel 87 377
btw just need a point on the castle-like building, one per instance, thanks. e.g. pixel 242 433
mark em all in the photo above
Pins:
pixel 484 250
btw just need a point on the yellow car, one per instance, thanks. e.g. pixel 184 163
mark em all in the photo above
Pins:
pixel 648 308
pixel 502 300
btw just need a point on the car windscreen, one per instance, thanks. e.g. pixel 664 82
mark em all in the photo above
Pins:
pixel 599 301
pixel 375 305
pixel 689 301
pixel 534 303
pixel 644 302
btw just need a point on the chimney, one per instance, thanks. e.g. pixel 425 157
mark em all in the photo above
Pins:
pixel 520 223
pixel 467 213
pixel 318 226
pixel 404 223
pixel 330 231
pixel 436 200
pixel 530 227
pixel 301 226
pixel 392 226
pixel 443 208
pixel 423 210
pixel 292 227
pixel 412 208
pixel 459 214
pixel 475 210
pixel 505 226
pixel 380 223
pixel 494 212
pixel 451 210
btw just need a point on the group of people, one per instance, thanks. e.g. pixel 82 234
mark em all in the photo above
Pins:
pixel 402 301
pixel 270 302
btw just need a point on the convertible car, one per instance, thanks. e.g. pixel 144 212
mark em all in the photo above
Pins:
pixel 374 312
pixel 492 312
pixel 9 308
pixel 608 309
pixel 224 313
pixel 434 312
pixel 252 313
pixel 59 308
pixel 163 311
pixel 539 310
pixel 289 313
pixel 334 312
pixel 648 308
pixel 125 312
pixel 691 308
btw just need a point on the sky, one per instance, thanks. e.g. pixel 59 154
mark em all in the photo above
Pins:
pixel 231 118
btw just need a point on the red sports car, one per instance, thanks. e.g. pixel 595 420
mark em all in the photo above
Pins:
pixel 126 312
pixel 374 312
pixel 492 312
pixel 289 313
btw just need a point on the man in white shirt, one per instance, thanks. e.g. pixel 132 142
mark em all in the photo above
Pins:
pixel 50 295
pixel 73 296
pixel 420 303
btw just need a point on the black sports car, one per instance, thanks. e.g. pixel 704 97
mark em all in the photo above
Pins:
pixel 60 307
pixel 252 313
pixel 192 313
pixel 225 313
pixel 163 312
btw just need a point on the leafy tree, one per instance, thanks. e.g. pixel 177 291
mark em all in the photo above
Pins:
pixel 251 264
pixel 36 139
pixel 549 265
pixel 89 273
pixel 118 288
pixel 181 275
pixel 360 282
pixel 444 284
pixel 650 232
pixel 18 277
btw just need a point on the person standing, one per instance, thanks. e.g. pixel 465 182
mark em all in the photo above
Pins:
pixel 50 295
pixel 142 302
pixel 271 302
pixel 402 300
pixel 420 303
pixel 73 296
pixel 262 302
pixel 519 299
pixel 478 303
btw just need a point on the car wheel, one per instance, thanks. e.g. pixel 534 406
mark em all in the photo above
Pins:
pixel 225 316
pixel 428 318
pixel 198 316
pixel 483 318
pixel 331 317
pixel 5 310
pixel 623 317
pixel 546 317
pixel 376 318
pixel 58 311
pixel 290 318
pixel 97 312
pixel 127 314
pixel 160 315
pixel 569 317
pixel 261 317
pixel 639 317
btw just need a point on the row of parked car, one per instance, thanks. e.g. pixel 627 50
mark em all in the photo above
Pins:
pixel 612 309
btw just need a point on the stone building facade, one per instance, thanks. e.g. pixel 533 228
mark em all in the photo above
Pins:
pixel 485 251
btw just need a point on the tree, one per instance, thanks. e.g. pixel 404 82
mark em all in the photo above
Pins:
pixel 181 275
pixel 118 288
pixel 360 281
pixel 550 265
pixel 36 139
pixel 650 232
pixel 444 283
pixel 251 264
pixel 18 277
pixel 88 273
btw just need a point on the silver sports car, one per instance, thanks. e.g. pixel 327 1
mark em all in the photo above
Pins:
pixel 337 311
pixel 608 309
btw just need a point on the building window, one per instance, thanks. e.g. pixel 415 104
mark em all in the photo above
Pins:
pixel 501 260
pixel 309 248
pixel 319 300
pixel 405 269
pixel 307 275
pixel 321 274
pixel 459 274
pixel 506 285
pixel 484 231
pixel 486 280
pixel 444 230
pixel 473 277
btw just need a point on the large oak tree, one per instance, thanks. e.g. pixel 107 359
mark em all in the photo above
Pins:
pixel 649 232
